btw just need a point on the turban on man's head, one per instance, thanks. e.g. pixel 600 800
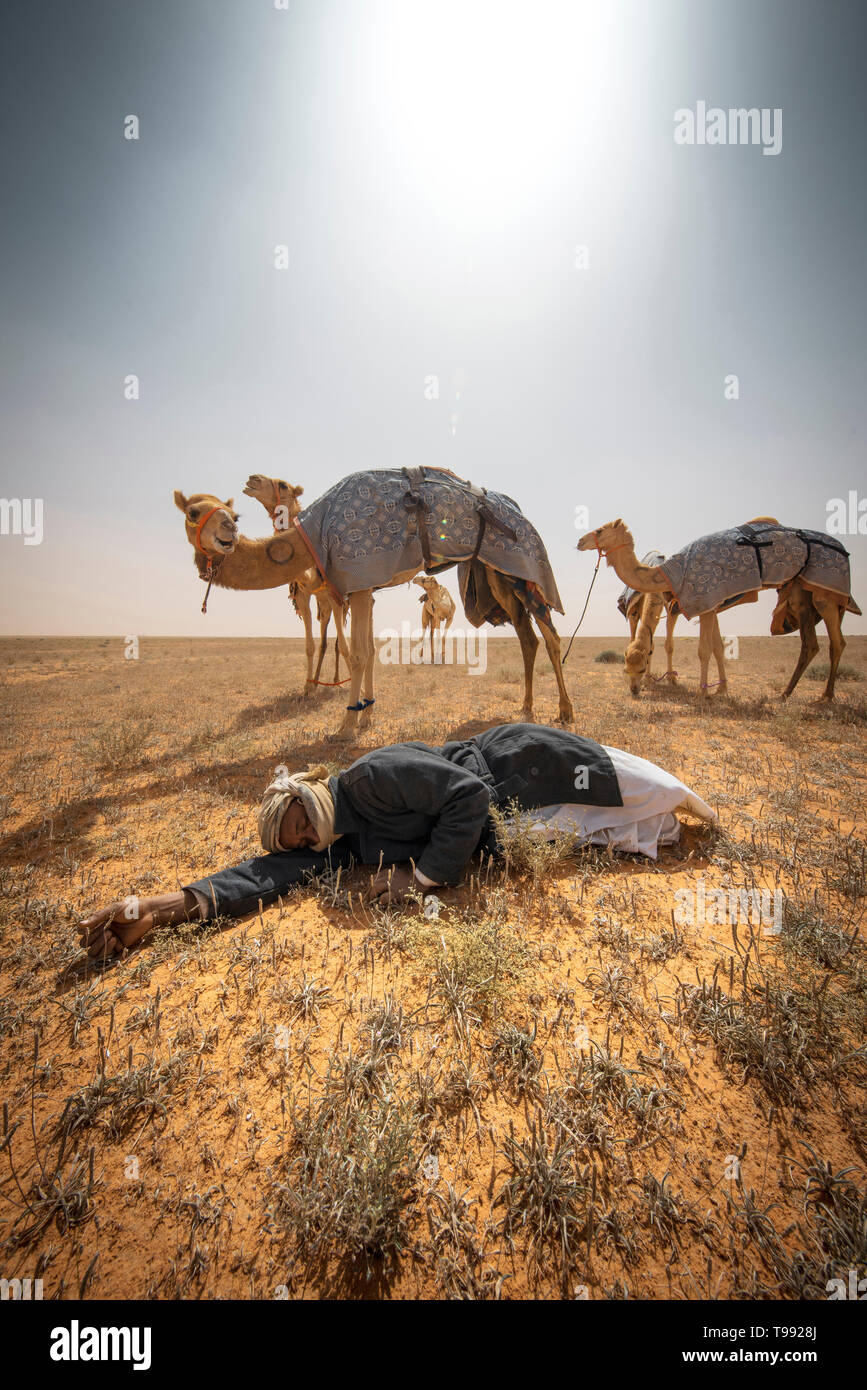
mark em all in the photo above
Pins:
pixel 312 790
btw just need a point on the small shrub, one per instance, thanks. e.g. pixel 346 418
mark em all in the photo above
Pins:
pixel 118 746
pixel 821 670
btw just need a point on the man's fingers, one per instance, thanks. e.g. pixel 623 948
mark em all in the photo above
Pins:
pixel 99 918
pixel 95 933
pixel 379 885
pixel 104 943
pixel 391 895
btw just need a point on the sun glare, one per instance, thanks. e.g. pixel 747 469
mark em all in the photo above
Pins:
pixel 487 100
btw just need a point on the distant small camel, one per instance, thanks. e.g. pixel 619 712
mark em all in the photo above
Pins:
pixel 437 613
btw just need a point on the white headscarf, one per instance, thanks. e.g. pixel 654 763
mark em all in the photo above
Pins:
pixel 312 790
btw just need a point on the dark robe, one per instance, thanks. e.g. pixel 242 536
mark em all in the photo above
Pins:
pixel 410 801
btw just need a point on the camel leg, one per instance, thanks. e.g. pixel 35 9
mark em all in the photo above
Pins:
pixel 360 620
pixel 809 644
pixel 832 615
pixel 520 620
pixel 719 656
pixel 705 646
pixel 367 714
pixel 552 644
pixel 529 646
pixel 339 614
pixel 670 621
pixel 323 640
pixel 651 612
pixel 447 622
pixel 438 633
pixel 302 607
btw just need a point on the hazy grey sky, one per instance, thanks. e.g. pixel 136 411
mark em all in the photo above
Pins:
pixel 432 168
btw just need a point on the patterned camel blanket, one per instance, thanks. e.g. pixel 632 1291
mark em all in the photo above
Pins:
pixel 627 595
pixel 364 531
pixel 717 570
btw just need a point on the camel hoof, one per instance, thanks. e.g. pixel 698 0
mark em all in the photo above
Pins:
pixel 340 736
pixel 566 715
pixel 365 721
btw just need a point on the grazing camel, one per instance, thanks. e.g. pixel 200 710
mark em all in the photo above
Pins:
pixel 371 531
pixel 642 612
pixel 802 601
pixel 643 616
pixel 438 611
pixel 280 500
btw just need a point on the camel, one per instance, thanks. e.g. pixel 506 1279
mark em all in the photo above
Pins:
pixel 280 500
pixel 438 610
pixel 800 605
pixel 643 614
pixel 230 560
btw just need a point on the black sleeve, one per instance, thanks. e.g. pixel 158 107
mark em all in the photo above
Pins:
pixel 237 891
pixel 391 784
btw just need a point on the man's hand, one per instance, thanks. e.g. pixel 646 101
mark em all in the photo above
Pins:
pixel 120 925
pixel 393 884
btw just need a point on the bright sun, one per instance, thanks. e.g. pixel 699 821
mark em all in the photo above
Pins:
pixel 487 99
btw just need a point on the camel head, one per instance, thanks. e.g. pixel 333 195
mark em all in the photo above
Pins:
pixel 212 525
pixel 274 493
pixel 427 582
pixel 635 666
pixel 606 537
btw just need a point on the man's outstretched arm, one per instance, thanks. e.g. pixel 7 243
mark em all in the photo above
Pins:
pixel 232 892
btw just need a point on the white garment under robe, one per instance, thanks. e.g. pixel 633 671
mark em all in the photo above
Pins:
pixel 646 819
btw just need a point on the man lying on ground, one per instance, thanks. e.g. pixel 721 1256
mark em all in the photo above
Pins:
pixel 419 814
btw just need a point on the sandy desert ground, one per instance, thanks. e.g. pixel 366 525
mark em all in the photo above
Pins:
pixel 553 1090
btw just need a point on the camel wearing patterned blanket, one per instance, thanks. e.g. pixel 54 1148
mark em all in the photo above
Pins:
pixel 377 529
pixel 809 570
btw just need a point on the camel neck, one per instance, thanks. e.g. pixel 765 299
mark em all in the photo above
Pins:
pixel 264 563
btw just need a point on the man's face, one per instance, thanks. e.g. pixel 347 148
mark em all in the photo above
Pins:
pixel 296 830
